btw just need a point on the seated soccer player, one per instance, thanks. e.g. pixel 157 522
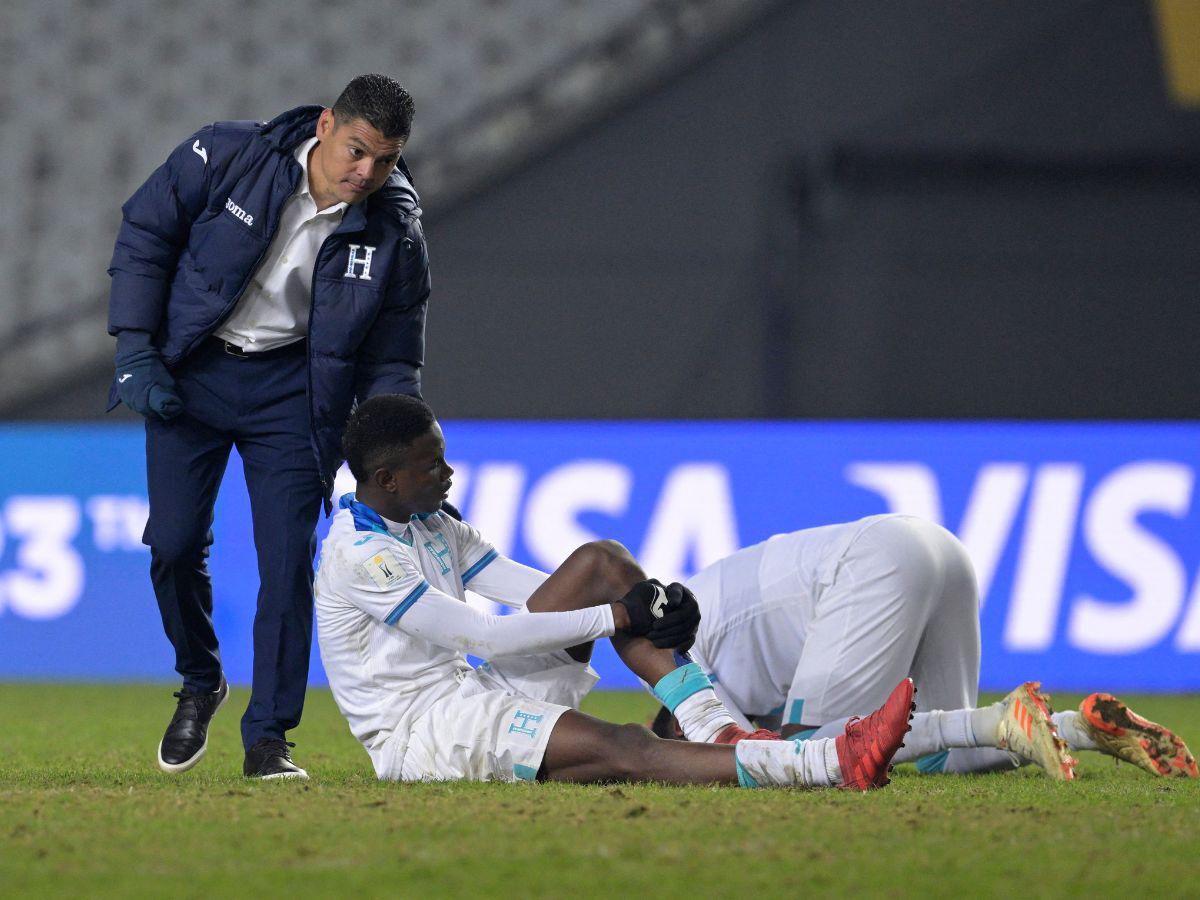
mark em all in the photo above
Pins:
pixel 807 628
pixel 394 631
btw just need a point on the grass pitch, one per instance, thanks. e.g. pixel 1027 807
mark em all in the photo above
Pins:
pixel 84 811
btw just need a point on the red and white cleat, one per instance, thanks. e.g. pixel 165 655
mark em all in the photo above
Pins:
pixel 733 734
pixel 866 748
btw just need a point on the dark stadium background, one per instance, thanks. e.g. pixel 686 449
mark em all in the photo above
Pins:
pixel 673 210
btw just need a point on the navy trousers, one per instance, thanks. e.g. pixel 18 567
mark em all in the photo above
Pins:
pixel 259 405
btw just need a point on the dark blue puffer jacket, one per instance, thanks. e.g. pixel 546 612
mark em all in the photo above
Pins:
pixel 195 232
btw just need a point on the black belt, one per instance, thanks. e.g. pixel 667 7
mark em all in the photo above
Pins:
pixel 237 352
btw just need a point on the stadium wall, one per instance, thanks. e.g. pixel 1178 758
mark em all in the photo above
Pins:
pixel 930 209
pixel 1085 537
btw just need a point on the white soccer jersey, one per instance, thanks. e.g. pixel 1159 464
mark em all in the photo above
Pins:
pixel 394 626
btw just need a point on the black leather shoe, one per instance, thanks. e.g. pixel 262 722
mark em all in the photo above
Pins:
pixel 186 739
pixel 271 758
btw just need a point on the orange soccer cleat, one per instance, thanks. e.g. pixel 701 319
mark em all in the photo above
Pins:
pixel 1027 729
pixel 1122 733
pixel 866 748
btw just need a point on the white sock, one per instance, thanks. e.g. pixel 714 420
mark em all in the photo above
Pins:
pixel 688 694
pixel 985 723
pixel 811 763
pixel 936 731
pixel 702 716
pixel 1073 731
pixel 939 730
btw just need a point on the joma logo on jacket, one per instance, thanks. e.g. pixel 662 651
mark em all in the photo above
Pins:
pixel 238 211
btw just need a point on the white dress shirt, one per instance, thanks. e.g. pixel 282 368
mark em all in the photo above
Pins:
pixel 274 310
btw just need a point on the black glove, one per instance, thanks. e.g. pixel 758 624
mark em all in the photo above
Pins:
pixel 667 616
pixel 676 629
pixel 644 603
pixel 451 510
pixel 143 383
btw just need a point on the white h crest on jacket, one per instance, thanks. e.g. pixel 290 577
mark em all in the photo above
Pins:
pixel 356 260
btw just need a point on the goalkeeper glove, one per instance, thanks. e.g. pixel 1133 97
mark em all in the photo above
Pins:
pixel 667 616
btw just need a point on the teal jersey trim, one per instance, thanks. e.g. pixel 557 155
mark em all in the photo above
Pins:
pixel 933 763
pixel 525 773
pixel 744 778
pixel 404 605
pixel 801 736
pixel 479 566
pixel 678 685
pixel 796 713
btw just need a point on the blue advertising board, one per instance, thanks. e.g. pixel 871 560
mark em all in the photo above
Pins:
pixel 1085 537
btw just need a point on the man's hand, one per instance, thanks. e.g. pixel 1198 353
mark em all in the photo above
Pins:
pixel 143 382
pixel 668 616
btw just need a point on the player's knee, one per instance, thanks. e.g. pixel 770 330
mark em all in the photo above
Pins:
pixel 631 747
pixel 607 563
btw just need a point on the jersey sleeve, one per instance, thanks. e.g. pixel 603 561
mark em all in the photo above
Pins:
pixel 506 581
pixel 485 572
pixel 385 583
pixel 389 587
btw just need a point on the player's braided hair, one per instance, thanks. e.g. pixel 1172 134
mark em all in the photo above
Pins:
pixel 381 428
pixel 380 101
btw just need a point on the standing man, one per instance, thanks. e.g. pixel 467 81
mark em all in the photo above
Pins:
pixel 266 276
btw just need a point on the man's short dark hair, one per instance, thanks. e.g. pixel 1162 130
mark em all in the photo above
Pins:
pixel 379 101
pixel 381 428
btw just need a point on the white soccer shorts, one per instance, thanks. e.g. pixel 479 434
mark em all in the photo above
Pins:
pixel 496 726
pixel 902 602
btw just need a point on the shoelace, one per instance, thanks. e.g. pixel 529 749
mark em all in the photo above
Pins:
pixel 189 705
pixel 275 747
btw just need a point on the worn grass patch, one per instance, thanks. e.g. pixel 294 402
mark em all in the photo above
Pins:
pixel 83 810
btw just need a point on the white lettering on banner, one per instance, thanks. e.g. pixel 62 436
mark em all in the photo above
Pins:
pixel 1139 558
pixel 1188 638
pixel 343 483
pixel 907 488
pixel 552 529
pixel 494 504
pixel 694 517
pixel 1113 536
pixel 988 519
pixel 118 522
pixel 499 487
pixel 912 489
pixel 1043 557
pixel 49 579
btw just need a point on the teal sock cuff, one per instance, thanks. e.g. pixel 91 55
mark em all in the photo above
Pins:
pixel 933 763
pixel 744 779
pixel 678 685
